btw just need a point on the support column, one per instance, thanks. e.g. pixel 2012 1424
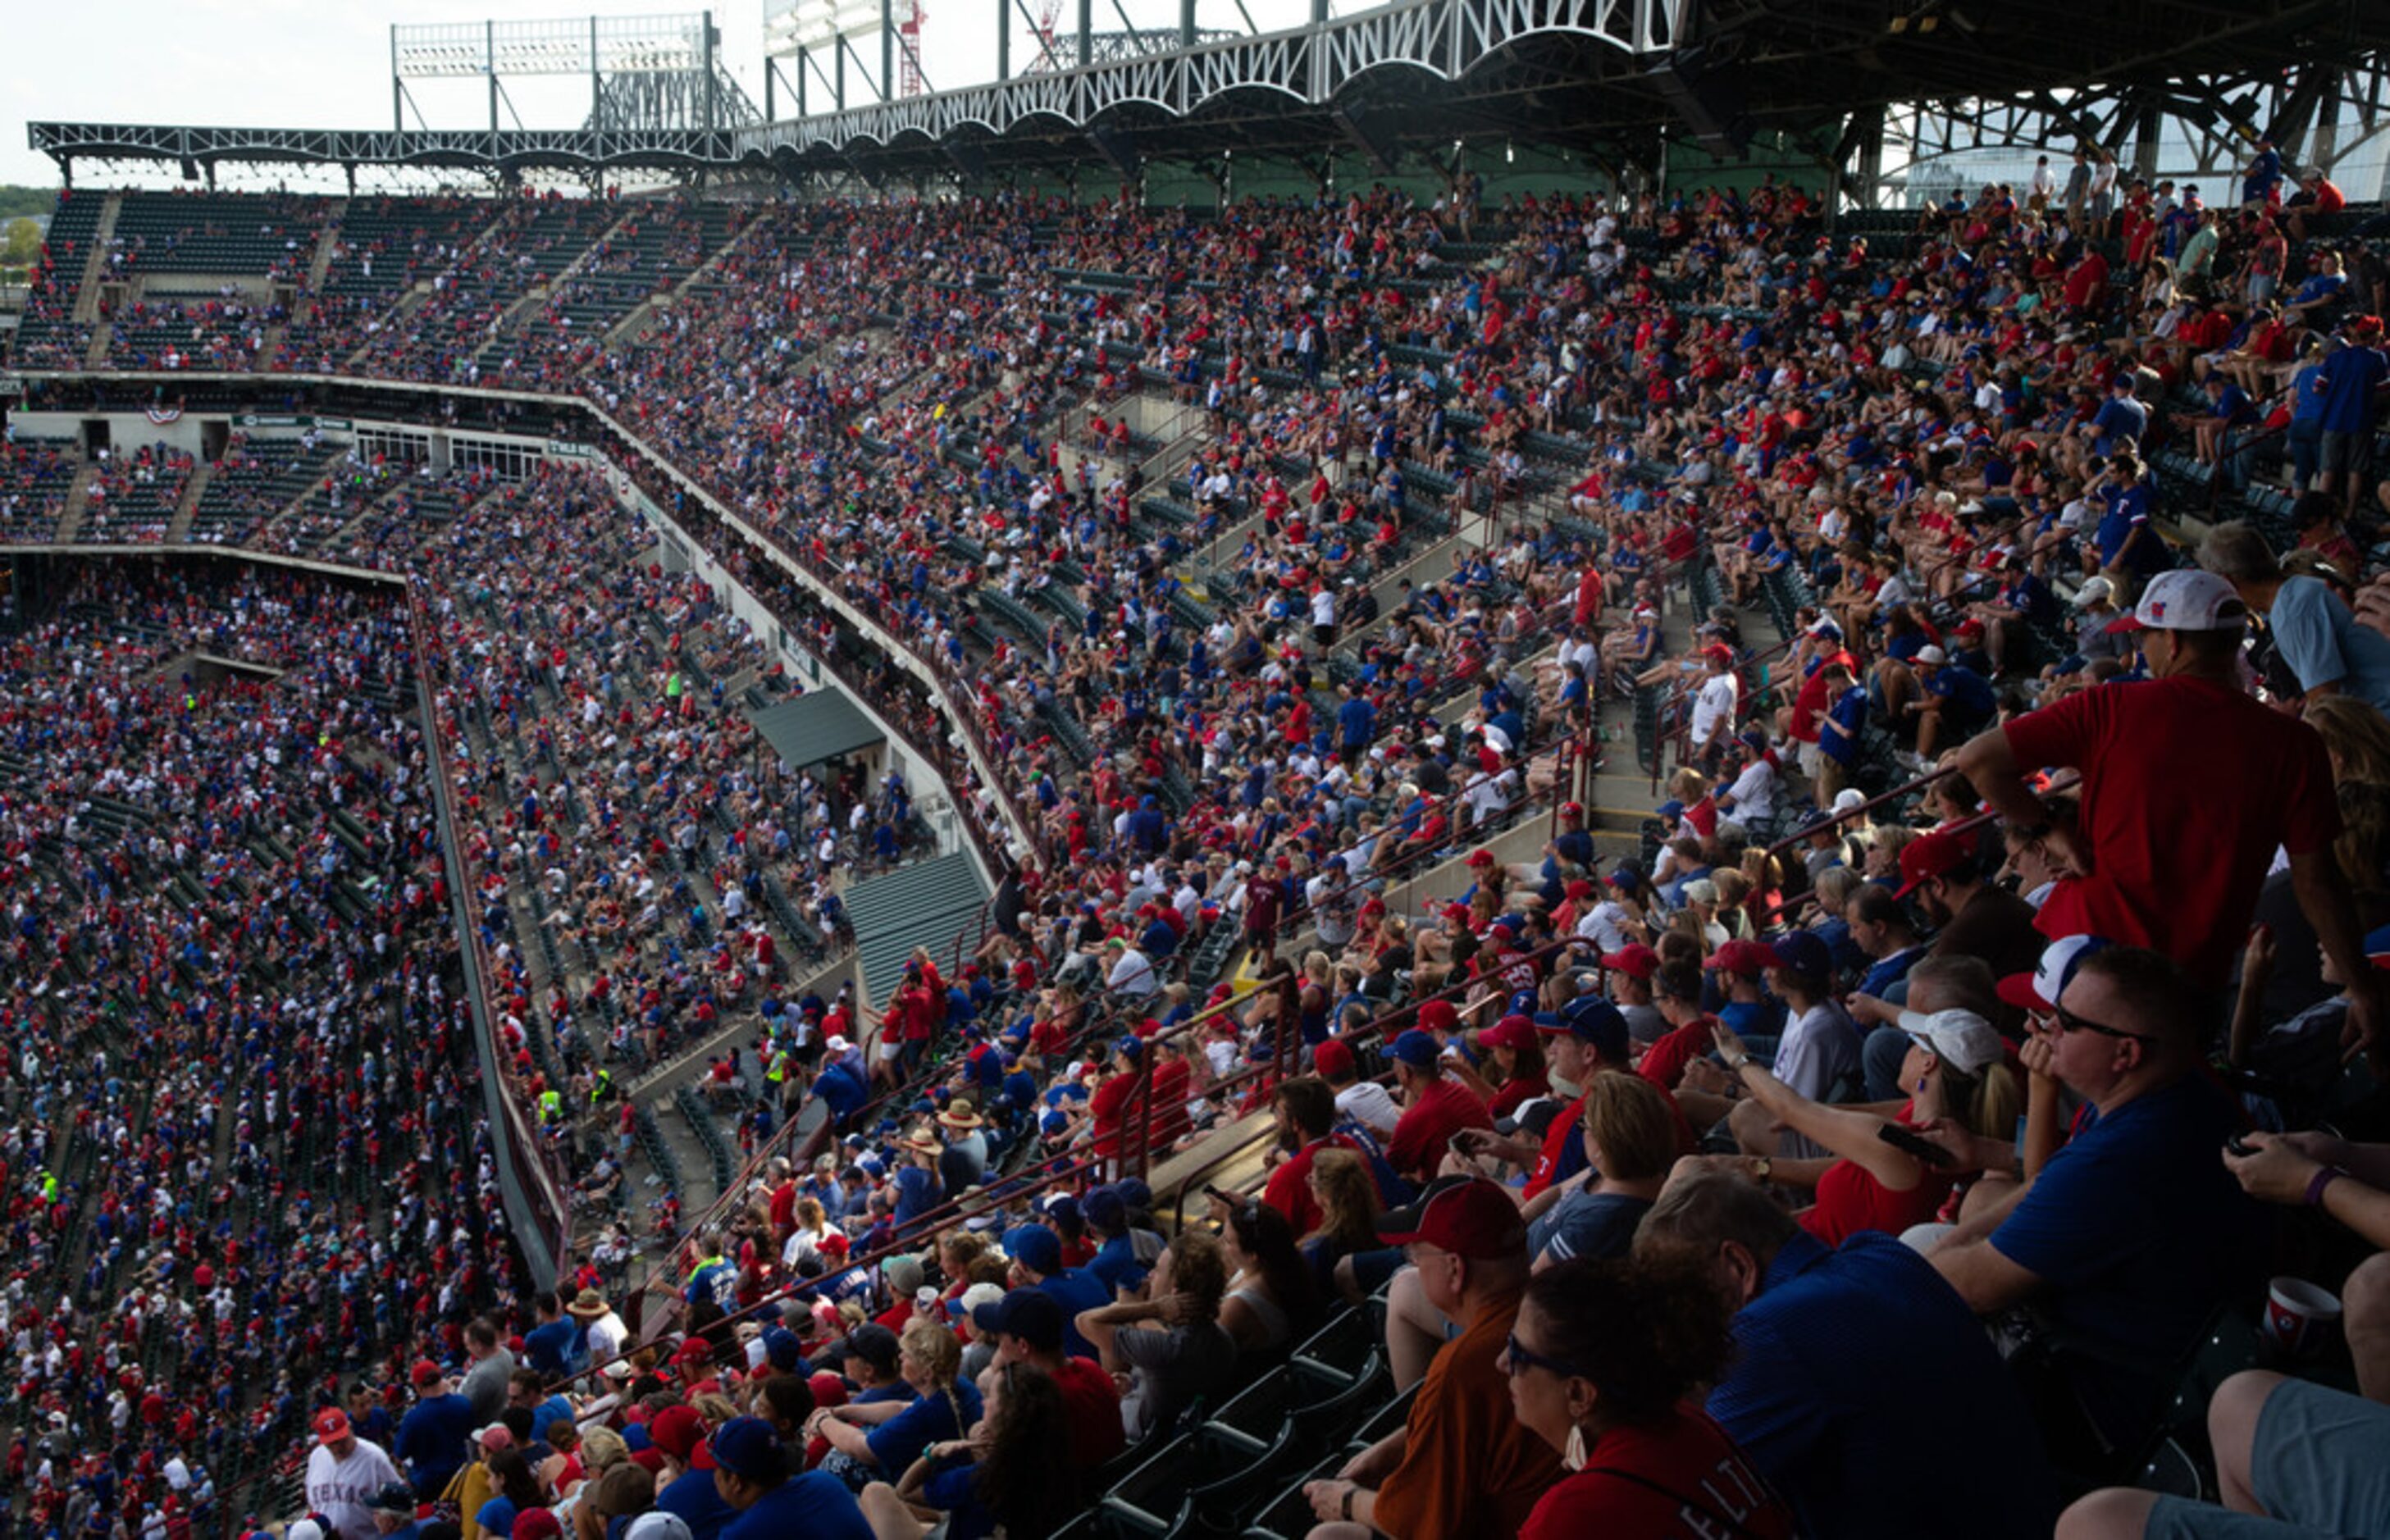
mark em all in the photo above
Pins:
pixel 489 59
pixel 1187 23
pixel 887 50
pixel 1086 33
pixel 2149 122
pixel 1004 41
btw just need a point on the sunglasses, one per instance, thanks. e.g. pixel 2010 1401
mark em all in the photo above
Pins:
pixel 1517 1359
pixel 2065 1020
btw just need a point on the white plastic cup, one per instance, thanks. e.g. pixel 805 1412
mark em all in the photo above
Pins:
pixel 2300 1317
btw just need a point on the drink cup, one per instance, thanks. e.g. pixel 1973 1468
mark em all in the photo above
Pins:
pixel 2300 1317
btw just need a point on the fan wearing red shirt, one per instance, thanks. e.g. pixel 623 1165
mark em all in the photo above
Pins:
pixel 1026 1327
pixel 1436 1107
pixel 1601 1359
pixel 2189 786
pixel 1306 1111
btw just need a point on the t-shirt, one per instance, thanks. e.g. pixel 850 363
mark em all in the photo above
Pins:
pixel 1819 1048
pixel 1594 1225
pixel 339 1489
pixel 1678 1478
pixel 898 1441
pixel 1825 1398
pixel 1470 1467
pixel 813 1504
pixel 2323 644
pixel 1076 1290
pixel 431 1439
pixel 2159 761
pixel 691 1494
pixel 2138 1232
pixel 1174 1366
pixel 2350 378
pixel 1091 1408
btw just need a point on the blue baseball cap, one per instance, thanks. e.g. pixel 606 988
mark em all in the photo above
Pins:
pixel 1416 1048
pixel 1591 1019
pixel 1800 952
pixel 1036 1248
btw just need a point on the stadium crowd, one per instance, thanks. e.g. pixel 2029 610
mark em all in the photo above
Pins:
pixel 1681 1165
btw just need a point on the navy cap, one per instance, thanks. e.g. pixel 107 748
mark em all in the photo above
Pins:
pixel 1031 1314
pixel 1036 1248
pixel 1105 1209
pixel 1417 1048
pixel 1129 1047
pixel 1591 1019
pixel 747 1447
pixel 1800 952
pixel 781 1348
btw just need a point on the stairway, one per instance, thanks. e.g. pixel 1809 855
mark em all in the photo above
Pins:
pixel 178 529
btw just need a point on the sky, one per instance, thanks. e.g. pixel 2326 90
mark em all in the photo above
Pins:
pixel 312 64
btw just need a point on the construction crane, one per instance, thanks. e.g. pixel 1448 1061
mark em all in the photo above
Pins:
pixel 908 75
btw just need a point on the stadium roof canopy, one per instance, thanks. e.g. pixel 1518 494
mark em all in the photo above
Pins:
pixel 1607 77
pixel 817 726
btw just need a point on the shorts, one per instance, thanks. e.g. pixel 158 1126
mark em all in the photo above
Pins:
pixel 890 1048
pixel 1811 759
pixel 2315 1461
pixel 2348 452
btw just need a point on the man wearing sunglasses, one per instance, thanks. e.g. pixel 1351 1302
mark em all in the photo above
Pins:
pixel 2189 787
pixel 2127 1237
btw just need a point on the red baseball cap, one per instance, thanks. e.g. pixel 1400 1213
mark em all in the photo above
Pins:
pixel 1741 956
pixel 1511 1032
pixel 1481 858
pixel 1929 857
pixel 680 1433
pixel 1438 1016
pixel 1634 959
pixel 331 1425
pixel 425 1372
pixel 1469 1216
pixel 1334 1057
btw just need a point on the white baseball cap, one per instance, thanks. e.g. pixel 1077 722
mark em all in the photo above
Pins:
pixel 2184 600
pixel 1931 656
pixel 1959 1038
pixel 2039 989
pixel 2093 592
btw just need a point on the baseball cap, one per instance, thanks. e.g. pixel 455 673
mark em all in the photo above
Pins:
pixel 1031 1314
pixel 678 1430
pixel 1104 1209
pixel 1740 956
pixel 747 1448
pixel 1591 1019
pixel 1469 1216
pixel 1931 656
pixel 2093 591
pixel 1416 1048
pixel 782 1348
pixel 656 1524
pixel 425 1372
pixel 1802 952
pixel 1035 1247
pixel 1634 959
pixel 392 1497
pixel 1511 1032
pixel 1928 856
pixel 331 1425
pixel 1958 1037
pixel 2039 989
pixel 1439 1016
pixel 536 1523
pixel 874 1343
pixel 2185 599
pixel 497 1435
pixel 1334 1057
pixel 1481 858
pixel 303 1529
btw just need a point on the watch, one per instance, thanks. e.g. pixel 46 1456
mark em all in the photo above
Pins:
pixel 1762 1167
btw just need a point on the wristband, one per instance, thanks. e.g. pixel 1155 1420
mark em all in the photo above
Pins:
pixel 1348 1504
pixel 1736 1064
pixel 2321 1180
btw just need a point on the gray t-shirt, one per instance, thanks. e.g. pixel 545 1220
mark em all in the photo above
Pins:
pixel 485 1385
pixel 1173 1367
pixel 2323 644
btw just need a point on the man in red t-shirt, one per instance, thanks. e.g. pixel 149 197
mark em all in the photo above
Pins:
pixel 1436 1107
pixel 1026 1327
pixel 1305 1109
pixel 2189 788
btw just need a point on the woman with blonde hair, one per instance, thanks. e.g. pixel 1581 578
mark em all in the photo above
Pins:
pixel 1956 1069
pixel 1631 1142
pixel 1340 1183
pixel 929 1359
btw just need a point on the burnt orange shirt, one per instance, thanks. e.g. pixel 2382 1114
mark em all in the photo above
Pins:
pixel 1469 1468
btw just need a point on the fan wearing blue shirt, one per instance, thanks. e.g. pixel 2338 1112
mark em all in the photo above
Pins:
pixel 2318 637
pixel 752 1475
pixel 1036 1253
pixel 2131 1234
pixel 1824 1396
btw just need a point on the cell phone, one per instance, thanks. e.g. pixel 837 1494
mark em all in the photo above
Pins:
pixel 1460 1144
pixel 1908 1142
pixel 1228 1197
pixel 2238 1147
